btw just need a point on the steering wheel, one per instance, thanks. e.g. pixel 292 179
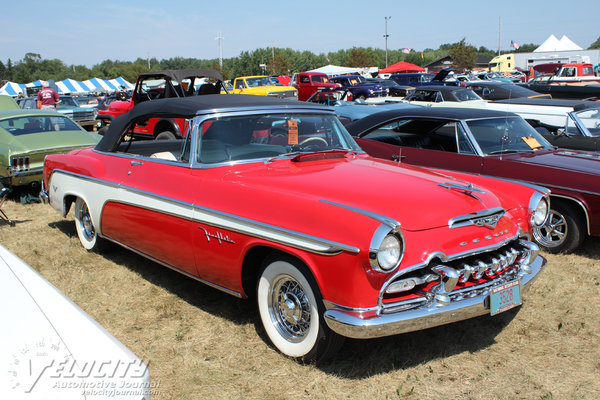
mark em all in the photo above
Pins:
pixel 153 94
pixel 313 139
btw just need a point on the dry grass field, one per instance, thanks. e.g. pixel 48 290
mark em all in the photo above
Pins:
pixel 203 344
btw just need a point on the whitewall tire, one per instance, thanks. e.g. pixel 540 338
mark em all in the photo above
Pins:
pixel 85 228
pixel 290 311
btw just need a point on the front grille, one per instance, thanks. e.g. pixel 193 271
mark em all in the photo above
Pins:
pixel 455 280
pixel 83 115
pixel 283 94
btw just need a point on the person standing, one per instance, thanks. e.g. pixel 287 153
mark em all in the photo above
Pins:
pixel 47 97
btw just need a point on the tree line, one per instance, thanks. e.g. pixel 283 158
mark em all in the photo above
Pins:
pixel 279 61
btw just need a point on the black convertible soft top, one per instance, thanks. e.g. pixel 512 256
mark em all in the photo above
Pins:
pixel 181 74
pixel 358 127
pixel 188 107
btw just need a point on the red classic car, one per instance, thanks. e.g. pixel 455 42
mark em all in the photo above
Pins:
pixel 273 199
pixel 495 144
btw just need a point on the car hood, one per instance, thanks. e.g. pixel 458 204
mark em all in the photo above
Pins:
pixel 572 160
pixel 50 140
pixel 368 184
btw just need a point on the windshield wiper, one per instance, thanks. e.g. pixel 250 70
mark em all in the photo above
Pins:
pixel 506 151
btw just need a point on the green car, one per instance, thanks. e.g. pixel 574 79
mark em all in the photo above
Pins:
pixel 27 136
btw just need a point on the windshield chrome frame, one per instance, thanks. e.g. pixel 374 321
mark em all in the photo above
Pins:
pixel 199 119
pixel 579 123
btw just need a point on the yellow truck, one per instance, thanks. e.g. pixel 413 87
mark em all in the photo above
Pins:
pixel 262 85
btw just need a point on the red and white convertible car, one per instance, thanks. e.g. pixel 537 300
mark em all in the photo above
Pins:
pixel 272 199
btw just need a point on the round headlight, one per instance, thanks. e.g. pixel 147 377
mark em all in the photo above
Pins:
pixel 540 213
pixel 388 254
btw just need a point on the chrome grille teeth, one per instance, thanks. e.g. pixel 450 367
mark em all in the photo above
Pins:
pixel 493 267
pixel 480 270
pixel 465 272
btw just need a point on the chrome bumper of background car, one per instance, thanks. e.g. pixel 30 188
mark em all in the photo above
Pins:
pixel 349 323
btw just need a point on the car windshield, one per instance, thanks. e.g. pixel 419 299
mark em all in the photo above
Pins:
pixel 506 135
pixel 260 81
pixel 67 102
pixel 320 78
pixel 267 136
pixel 590 118
pixel 465 95
pixel 37 124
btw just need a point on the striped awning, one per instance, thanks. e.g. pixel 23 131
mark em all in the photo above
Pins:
pixel 12 89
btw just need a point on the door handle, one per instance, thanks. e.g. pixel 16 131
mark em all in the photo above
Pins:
pixel 396 157
pixel 136 162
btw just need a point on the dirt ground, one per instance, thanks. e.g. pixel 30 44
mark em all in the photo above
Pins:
pixel 201 343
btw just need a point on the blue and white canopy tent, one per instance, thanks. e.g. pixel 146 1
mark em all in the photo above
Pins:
pixel 12 89
pixel 72 86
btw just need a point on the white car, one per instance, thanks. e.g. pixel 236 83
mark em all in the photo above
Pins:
pixel 52 349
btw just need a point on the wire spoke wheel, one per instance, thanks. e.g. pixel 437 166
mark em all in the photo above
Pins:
pixel 290 308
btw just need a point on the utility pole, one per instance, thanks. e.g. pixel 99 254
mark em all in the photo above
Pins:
pixel 499 34
pixel 220 39
pixel 386 36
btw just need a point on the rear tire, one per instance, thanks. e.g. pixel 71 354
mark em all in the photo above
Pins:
pixel 291 310
pixel 85 229
pixel 166 135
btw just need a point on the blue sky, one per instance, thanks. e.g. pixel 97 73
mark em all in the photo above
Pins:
pixel 86 32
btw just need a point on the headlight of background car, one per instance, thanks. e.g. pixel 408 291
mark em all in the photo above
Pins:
pixel 539 206
pixel 387 248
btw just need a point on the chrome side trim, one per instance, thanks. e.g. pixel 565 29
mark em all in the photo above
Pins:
pixel 360 325
pixel 392 223
pixel 213 285
pixel 235 223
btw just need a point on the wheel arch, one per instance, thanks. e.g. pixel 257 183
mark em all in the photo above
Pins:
pixel 254 261
pixel 579 207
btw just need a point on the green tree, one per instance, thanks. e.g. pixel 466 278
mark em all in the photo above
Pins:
pixel 463 55
pixel 279 65
pixel 359 58
pixel 595 45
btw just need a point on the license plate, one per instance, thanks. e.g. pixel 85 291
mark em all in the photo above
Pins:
pixel 504 297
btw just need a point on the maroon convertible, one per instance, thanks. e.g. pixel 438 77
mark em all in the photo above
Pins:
pixel 498 144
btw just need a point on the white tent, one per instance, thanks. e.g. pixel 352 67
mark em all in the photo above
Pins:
pixel 553 44
pixel 568 43
pixel 336 70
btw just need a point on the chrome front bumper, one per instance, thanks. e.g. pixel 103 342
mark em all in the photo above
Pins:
pixel 355 325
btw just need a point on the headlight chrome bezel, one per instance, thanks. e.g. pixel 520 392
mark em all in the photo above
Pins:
pixel 538 202
pixel 384 234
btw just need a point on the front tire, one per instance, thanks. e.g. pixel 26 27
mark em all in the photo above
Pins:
pixel 85 228
pixel 291 311
pixel 564 230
